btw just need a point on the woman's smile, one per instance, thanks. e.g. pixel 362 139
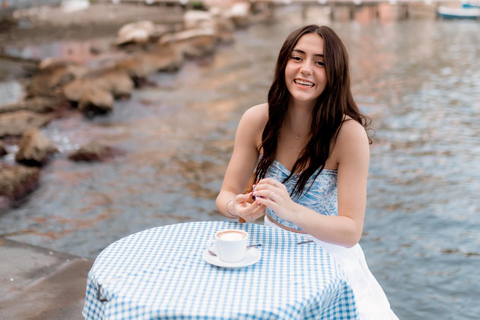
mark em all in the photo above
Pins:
pixel 304 83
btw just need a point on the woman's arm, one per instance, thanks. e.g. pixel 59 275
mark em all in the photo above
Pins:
pixel 231 201
pixel 352 154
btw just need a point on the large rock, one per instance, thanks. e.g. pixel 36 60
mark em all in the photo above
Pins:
pixel 164 58
pixel 34 148
pixel 95 101
pixel 193 19
pixel 192 43
pixel 113 79
pixel 15 123
pixel 214 19
pixel 139 32
pixel 3 151
pixel 52 77
pixel 94 151
pixel 239 13
pixel 35 104
pixel 15 182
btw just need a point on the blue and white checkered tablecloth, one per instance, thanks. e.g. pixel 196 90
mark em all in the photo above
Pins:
pixel 159 273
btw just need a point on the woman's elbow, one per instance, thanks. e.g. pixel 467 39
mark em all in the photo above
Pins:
pixel 353 239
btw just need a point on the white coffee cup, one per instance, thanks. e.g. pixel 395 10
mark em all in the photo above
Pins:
pixel 230 245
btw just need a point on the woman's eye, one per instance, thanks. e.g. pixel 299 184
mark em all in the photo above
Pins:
pixel 296 58
pixel 320 63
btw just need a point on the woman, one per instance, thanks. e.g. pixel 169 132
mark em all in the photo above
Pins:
pixel 309 152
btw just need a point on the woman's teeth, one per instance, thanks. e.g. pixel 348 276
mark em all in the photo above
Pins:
pixel 303 83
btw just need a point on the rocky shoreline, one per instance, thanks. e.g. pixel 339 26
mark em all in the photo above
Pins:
pixel 142 48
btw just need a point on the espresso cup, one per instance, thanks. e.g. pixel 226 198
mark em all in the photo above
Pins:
pixel 229 245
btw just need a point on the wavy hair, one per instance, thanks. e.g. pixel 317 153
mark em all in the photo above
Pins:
pixel 328 115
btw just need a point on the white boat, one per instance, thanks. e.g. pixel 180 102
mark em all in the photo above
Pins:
pixel 465 12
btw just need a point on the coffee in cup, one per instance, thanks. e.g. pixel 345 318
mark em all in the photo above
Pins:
pixel 229 245
pixel 232 235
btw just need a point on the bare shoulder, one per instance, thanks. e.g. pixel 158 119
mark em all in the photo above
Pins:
pixel 252 124
pixel 352 139
pixel 257 115
pixel 352 130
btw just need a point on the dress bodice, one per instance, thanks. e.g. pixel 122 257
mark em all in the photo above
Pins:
pixel 320 197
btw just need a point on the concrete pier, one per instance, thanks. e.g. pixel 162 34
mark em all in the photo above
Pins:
pixel 38 283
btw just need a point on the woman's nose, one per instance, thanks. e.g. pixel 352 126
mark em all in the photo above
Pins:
pixel 306 70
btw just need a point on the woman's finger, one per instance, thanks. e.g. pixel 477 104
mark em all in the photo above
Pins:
pixel 267 202
pixel 269 181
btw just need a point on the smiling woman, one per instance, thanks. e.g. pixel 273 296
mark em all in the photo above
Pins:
pixel 309 151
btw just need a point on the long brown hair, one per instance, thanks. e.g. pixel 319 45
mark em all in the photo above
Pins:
pixel 328 115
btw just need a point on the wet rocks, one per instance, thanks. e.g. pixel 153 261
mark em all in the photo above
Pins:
pixel 95 101
pixel 94 151
pixel 3 151
pixel 239 13
pixel 52 77
pixel 95 91
pixel 34 148
pixel 139 32
pixel 15 123
pixel 192 43
pixel 15 182
pixel 35 104
pixel 147 48
pixel 163 58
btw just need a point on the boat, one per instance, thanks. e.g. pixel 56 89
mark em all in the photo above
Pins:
pixel 466 11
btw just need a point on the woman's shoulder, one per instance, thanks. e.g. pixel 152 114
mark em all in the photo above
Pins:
pixel 258 111
pixel 351 126
pixel 256 116
pixel 352 137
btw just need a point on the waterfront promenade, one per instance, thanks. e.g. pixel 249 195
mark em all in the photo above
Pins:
pixel 38 283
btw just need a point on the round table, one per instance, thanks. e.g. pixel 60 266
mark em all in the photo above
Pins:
pixel 160 273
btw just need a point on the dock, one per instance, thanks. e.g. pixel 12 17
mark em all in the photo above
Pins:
pixel 39 283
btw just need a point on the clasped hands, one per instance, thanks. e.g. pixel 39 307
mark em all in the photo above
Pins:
pixel 268 193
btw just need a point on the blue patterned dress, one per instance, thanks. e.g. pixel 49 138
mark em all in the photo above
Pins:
pixel 321 196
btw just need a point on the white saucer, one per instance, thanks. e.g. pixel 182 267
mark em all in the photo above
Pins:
pixel 251 257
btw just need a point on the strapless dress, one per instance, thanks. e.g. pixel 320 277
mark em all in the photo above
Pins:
pixel 321 196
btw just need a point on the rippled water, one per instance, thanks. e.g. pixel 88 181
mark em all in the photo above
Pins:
pixel 419 79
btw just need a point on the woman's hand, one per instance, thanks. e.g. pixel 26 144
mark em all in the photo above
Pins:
pixel 274 195
pixel 246 208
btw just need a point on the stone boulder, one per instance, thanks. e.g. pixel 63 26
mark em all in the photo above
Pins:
pixel 192 43
pixel 95 101
pixel 163 58
pixel 94 151
pixel 35 104
pixel 34 148
pixel 112 79
pixel 52 76
pixel 240 14
pixel 139 32
pixel 3 151
pixel 214 19
pixel 15 123
pixel 15 182
pixel 193 19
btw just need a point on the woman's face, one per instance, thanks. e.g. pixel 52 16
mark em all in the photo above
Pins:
pixel 305 71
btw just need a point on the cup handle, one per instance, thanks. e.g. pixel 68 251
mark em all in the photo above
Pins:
pixel 211 246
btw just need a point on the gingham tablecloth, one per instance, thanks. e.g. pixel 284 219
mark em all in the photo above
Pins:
pixel 159 273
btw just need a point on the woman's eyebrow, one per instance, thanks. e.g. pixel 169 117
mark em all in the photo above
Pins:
pixel 303 52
